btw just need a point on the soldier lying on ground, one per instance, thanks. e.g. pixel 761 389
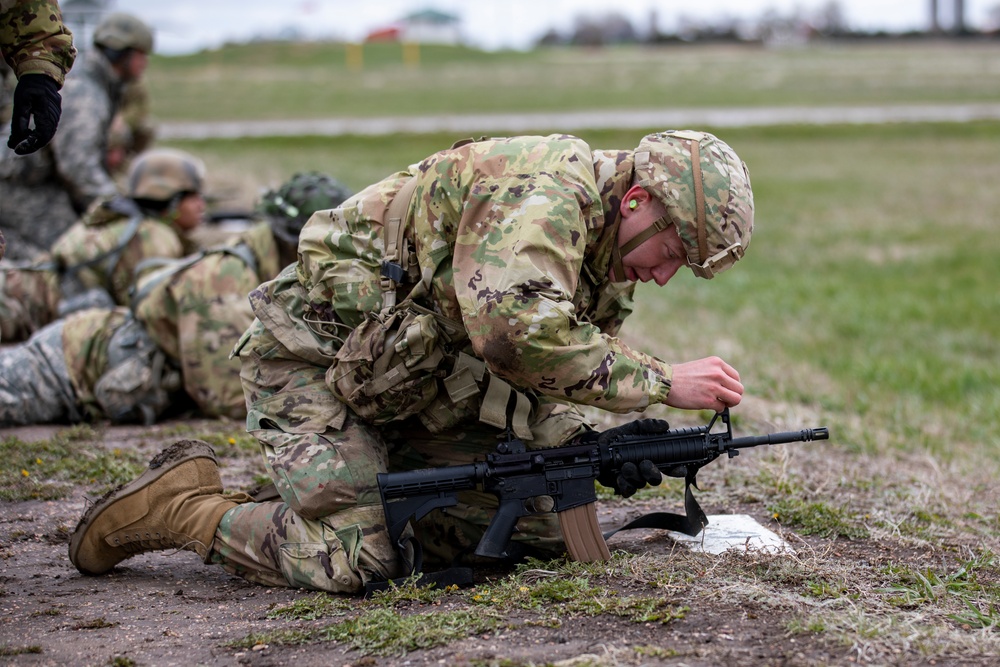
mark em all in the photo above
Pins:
pixel 174 345
pixel 93 264
pixel 480 289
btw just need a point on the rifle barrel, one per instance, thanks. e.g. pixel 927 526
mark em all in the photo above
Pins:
pixel 805 435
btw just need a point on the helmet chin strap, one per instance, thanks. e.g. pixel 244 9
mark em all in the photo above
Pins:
pixel 619 251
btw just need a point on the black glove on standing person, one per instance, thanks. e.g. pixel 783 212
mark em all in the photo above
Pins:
pixel 36 95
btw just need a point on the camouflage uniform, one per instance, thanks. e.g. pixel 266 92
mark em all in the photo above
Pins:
pixel 502 253
pixel 94 364
pixel 32 297
pixel 513 239
pixel 190 309
pixel 195 308
pixel 34 41
pixel 46 192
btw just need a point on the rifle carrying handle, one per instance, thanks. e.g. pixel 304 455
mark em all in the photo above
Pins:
pixel 582 534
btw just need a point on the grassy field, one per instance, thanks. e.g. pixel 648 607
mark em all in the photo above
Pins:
pixel 867 302
pixel 869 289
pixel 316 80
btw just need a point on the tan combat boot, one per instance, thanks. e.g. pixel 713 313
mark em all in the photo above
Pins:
pixel 176 504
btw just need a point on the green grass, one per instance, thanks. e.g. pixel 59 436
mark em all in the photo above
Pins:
pixel 49 469
pixel 407 617
pixel 310 80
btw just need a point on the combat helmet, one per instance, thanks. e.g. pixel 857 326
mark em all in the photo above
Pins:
pixel 162 174
pixel 706 190
pixel 288 207
pixel 120 31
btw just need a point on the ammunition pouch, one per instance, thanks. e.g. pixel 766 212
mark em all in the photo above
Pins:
pixel 393 365
pixel 407 361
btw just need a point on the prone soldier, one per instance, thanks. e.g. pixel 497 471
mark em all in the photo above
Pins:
pixel 94 262
pixel 173 347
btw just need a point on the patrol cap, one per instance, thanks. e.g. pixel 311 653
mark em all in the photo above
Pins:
pixel 289 206
pixel 161 174
pixel 706 190
pixel 120 31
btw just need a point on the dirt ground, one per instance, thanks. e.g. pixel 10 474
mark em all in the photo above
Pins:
pixel 169 609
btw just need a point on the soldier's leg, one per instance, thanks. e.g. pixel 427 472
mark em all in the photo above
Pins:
pixel 448 533
pixel 179 503
pixel 35 387
pixel 328 533
pixel 33 216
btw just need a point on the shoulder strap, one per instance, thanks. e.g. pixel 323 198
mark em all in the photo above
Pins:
pixel 112 255
pixel 240 250
pixel 397 262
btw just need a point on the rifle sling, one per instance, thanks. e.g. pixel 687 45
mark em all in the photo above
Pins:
pixel 691 524
pixel 452 576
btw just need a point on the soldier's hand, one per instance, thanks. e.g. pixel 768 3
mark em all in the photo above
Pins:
pixel 633 477
pixel 704 384
pixel 36 96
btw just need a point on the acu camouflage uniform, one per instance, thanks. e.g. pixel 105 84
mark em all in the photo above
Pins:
pixel 93 263
pixel 186 316
pixel 94 364
pixel 513 238
pixel 34 41
pixel 46 192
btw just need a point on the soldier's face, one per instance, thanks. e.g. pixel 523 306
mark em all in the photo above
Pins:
pixel 135 65
pixel 660 256
pixel 190 211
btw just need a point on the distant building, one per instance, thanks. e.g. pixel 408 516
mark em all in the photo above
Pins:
pixel 428 26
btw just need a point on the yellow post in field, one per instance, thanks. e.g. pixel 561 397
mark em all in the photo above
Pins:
pixel 411 54
pixel 355 56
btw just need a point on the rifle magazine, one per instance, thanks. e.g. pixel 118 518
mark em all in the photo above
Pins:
pixel 582 534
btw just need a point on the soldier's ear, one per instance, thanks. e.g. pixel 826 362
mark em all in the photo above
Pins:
pixel 636 194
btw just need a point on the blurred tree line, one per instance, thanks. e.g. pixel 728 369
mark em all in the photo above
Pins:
pixel 771 27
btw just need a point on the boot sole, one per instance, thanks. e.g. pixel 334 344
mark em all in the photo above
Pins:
pixel 174 455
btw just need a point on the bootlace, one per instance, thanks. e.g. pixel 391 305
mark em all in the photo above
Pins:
pixel 137 543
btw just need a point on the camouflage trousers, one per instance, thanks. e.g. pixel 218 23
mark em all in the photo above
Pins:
pixel 328 530
pixel 33 217
pixel 35 386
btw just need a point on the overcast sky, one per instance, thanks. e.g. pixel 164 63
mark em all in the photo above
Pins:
pixel 190 25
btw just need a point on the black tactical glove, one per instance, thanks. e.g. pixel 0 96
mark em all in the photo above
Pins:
pixel 36 96
pixel 633 477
